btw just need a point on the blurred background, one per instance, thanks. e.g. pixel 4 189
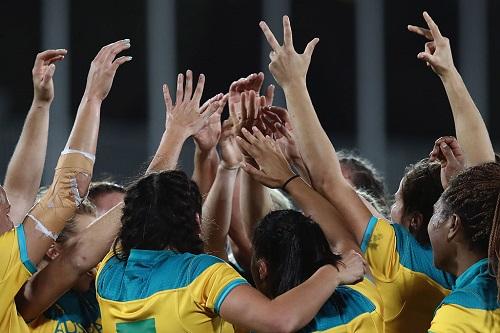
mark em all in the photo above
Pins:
pixel 370 91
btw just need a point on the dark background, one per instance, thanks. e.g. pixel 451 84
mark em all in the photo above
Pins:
pixel 222 39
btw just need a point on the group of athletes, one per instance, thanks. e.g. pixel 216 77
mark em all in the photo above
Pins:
pixel 274 232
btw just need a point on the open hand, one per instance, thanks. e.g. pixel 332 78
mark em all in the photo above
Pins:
pixel 186 116
pixel 448 152
pixel 287 66
pixel 43 71
pixel 206 139
pixel 274 169
pixel 437 52
pixel 103 69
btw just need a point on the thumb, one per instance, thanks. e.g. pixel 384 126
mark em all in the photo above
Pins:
pixel 426 57
pixel 310 47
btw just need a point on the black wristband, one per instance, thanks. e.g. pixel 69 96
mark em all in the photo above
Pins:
pixel 288 181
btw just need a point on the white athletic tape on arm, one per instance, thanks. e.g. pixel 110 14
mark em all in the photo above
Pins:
pixel 40 227
pixel 75 151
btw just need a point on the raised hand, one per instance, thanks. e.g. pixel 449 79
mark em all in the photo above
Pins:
pixel 287 66
pixel 230 153
pixel 209 135
pixel 274 170
pixel 437 52
pixel 352 269
pixel 186 115
pixel 449 153
pixel 103 69
pixel 43 71
pixel 249 116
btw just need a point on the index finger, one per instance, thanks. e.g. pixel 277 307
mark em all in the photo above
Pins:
pixel 421 31
pixel 432 26
pixel 287 32
pixel 269 36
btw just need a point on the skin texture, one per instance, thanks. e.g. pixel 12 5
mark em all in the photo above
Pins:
pixel 106 201
pixel 25 169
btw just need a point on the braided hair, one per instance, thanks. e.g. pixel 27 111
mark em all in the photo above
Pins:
pixel 294 247
pixel 474 196
pixel 161 211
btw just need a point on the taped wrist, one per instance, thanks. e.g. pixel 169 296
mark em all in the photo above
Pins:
pixel 69 188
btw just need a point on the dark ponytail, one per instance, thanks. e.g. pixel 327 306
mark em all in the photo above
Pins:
pixel 161 211
pixel 293 246
pixel 494 245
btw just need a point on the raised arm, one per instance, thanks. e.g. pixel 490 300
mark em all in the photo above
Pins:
pixel 74 169
pixel 275 172
pixel 470 128
pixel 184 119
pixel 25 169
pixel 78 257
pixel 217 207
pixel 247 308
pixel 289 68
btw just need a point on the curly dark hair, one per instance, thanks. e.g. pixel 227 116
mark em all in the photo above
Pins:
pixel 365 177
pixel 161 211
pixel 294 247
pixel 474 196
pixel 420 190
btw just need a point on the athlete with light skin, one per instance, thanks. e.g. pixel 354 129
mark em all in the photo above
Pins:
pixel 25 168
pixel 289 69
pixel 25 246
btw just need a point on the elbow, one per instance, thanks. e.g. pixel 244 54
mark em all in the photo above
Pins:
pixel 286 323
pixel 77 258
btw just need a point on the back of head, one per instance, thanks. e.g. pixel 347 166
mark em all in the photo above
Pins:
pixel 162 211
pixel 293 247
pixel 420 189
pixel 363 176
pixel 104 187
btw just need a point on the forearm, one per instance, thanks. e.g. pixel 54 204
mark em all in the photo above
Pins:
pixel 255 202
pixel 168 152
pixel 326 215
pixel 25 169
pixel 302 170
pixel 217 212
pixel 471 130
pixel 85 130
pixel 205 169
pixel 317 151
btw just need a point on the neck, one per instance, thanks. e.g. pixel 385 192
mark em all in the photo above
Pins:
pixel 466 258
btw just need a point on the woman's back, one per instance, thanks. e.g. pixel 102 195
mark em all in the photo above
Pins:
pixel 352 308
pixel 158 291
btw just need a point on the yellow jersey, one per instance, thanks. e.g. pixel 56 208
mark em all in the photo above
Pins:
pixel 74 312
pixel 404 273
pixel 472 306
pixel 351 308
pixel 15 270
pixel 164 291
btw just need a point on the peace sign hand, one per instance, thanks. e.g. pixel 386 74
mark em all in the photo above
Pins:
pixel 437 53
pixel 287 66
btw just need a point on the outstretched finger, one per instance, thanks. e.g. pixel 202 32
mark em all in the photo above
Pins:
pixel 258 134
pixel 55 59
pixel 167 98
pixel 245 146
pixel 211 110
pixel 287 32
pixel 199 88
pixel 205 105
pixel 436 34
pixel 244 111
pixel 421 31
pixel 180 89
pixel 189 85
pixel 258 175
pixel 310 47
pixel 45 56
pixel 249 136
pixel 120 61
pixel 269 94
pixel 115 49
pixel 269 36
pixel 283 131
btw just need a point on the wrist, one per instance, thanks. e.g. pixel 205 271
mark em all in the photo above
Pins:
pixel 203 151
pixel 91 99
pixel 291 178
pixel 38 103
pixel 332 272
pixel 171 130
pixel 294 84
pixel 227 167
pixel 450 75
